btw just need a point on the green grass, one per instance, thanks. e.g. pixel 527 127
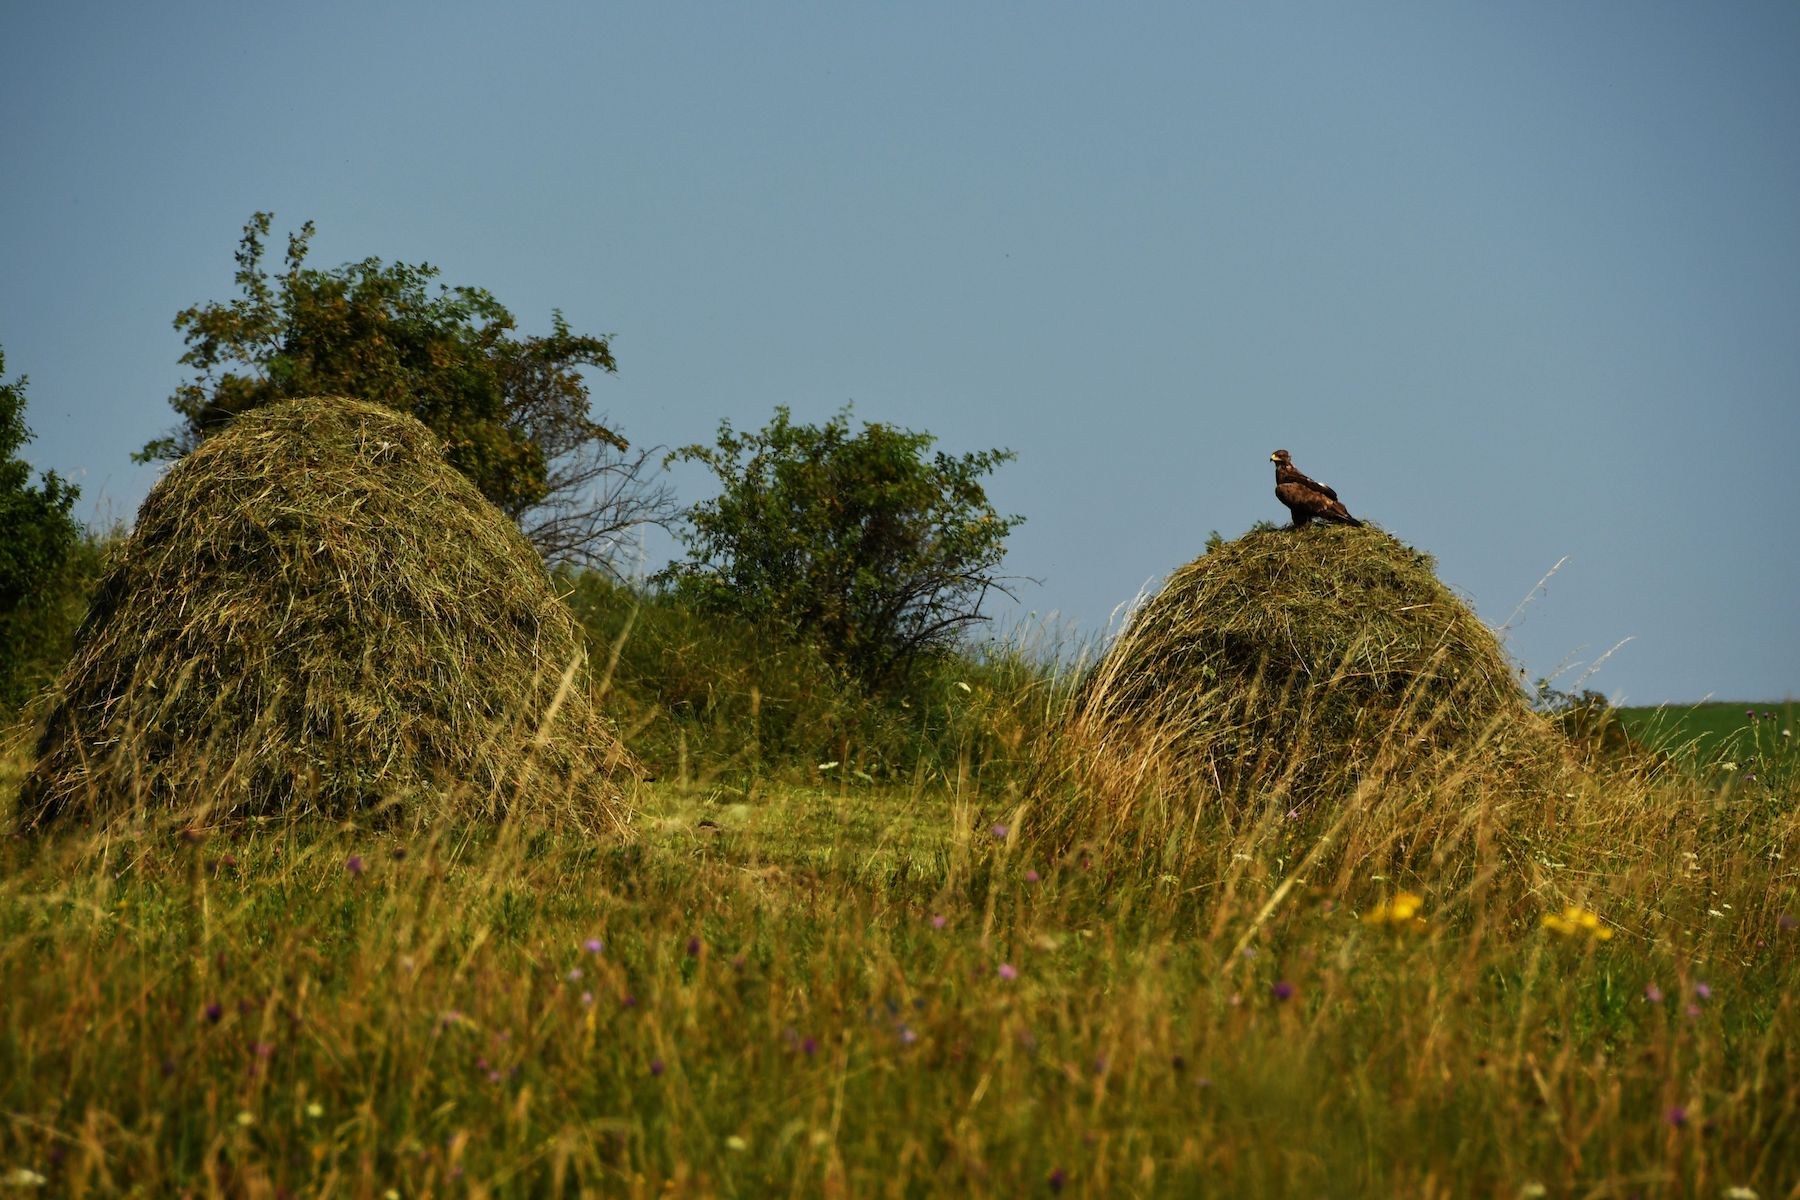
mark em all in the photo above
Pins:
pixel 1714 730
pixel 873 992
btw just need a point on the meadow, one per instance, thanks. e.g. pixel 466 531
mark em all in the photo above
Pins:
pixel 895 975
pixel 1714 732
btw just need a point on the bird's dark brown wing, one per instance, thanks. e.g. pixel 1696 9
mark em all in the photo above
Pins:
pixel 1309 481
pixel 1310 500
pixel 1301 500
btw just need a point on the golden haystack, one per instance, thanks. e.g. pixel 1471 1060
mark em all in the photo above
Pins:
pixel 1293 664
pixel 315 613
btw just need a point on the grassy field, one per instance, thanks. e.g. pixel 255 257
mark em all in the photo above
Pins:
pixel 897 991
pixel 1715 731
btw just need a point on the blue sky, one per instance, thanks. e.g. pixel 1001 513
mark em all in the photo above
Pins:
pixel 1522 281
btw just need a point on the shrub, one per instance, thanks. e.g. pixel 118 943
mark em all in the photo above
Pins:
pixel 706 695
pixel 38 537
pixel 512 412
pixel 863 545
pixel 39 635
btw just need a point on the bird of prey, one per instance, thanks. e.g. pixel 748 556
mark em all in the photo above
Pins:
pixel 1307 499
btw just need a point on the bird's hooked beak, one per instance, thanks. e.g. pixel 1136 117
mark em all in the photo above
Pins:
pixel 1274 458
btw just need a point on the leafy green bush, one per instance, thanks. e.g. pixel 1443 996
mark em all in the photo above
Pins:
pixel 699 694
pixel 513 412
pixel 39 636
pixel 859 544
pixel 38 540
pixel 703 695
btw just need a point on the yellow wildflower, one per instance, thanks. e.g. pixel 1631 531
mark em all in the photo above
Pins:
pixel 1403 910
pixel 1575 921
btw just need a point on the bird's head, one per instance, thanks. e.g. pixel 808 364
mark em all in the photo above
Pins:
pixel 1280 457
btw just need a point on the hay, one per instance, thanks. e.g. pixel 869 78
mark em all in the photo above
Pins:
pixel 315 613
pixel 1292 664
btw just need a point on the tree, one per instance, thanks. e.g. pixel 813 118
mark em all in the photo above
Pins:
pixel 37 537
pixel 513 412
pixel 860 542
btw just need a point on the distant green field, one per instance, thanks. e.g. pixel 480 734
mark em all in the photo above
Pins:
pixel 1722 729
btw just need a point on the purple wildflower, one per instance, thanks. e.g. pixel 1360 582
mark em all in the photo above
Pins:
pixel 693 947
pixel 574 974
pixel 1058 1179
pixel 656 1066
pixel 354 864
pixel 593 945
pixel 999 831
pixel 1283 990
pixel 1676 1116
pixel 214 1012
pixel 1031 876
pixel 1008 971
pixel 587 999
pixel 938 920
pixel 1702 991
pixel 1652 993
pixel 907 1035
pixel 809 1046
pixel 1787 921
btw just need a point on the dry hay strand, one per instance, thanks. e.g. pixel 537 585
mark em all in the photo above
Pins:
pixel 316 614
pixel 1296 664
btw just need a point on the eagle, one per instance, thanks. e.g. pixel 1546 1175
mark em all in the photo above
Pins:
pixel 1307 499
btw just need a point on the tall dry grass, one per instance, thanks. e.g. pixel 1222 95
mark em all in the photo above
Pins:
pixel 970 981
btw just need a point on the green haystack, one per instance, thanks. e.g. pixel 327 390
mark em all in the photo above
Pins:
pixel 1301 663
pixel 315 613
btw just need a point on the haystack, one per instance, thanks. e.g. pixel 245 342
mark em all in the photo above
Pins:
pixel 1297 663
pixel 315 613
